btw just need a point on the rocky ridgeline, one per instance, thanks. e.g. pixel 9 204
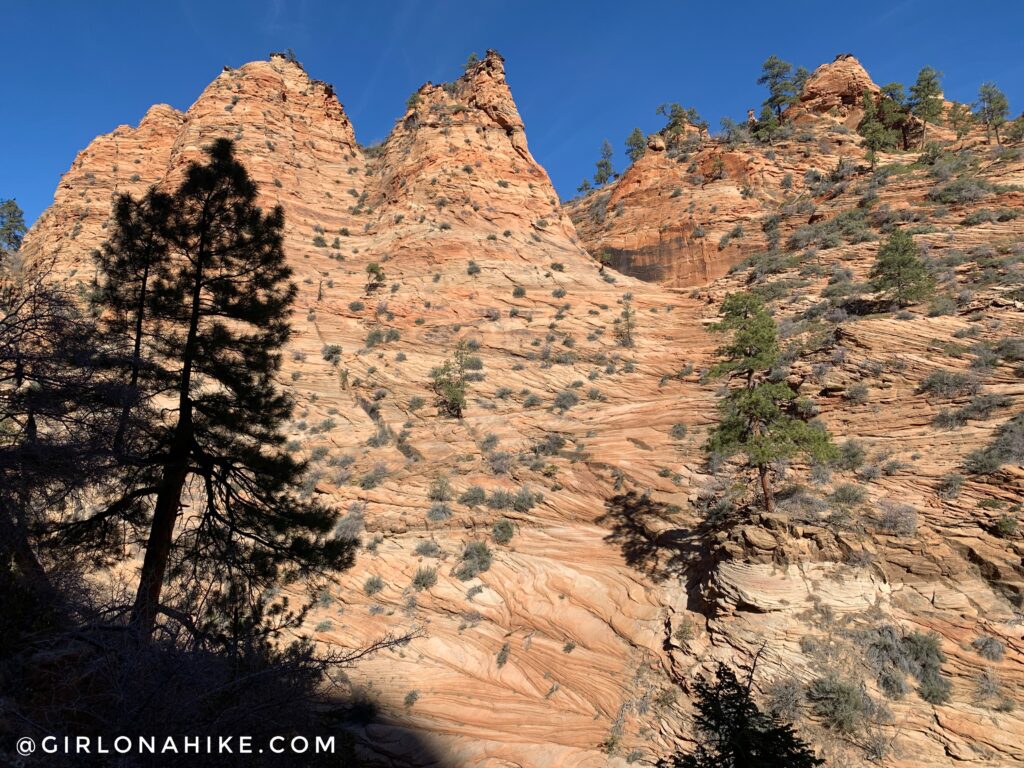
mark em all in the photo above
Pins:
pixel 563 651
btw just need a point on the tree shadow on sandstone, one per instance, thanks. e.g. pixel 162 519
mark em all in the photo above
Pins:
pixel 639 528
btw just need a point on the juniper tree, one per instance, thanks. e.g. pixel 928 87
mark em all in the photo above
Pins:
pixel 759 418
pixel 214 320
pixel 636 145
pixel 605 172
pixel 899 273
pixel 584 187
pixel 992 108
pixel 925 102
pixel 733 732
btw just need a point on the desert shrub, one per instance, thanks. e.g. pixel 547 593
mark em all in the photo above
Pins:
pixel 843 705
pixel 472 496
pixel 963 189
pixel 1006 527
pixel 502 658
pixel 476 558
pixel 374 477
pixel 989 647
pixel 848 494
pixel 949 487
pixel 678 431
pixel 949 384
pixel 851 455
pixel 425 578
pixel 428 549
pixel 501 499
pixel 785 699
pixel 857 393
pixel 899 519
pixel 500 462
pixel 503 531
pixel 525 499
pixel 439 511
pixel 373 585
pixel 440 489
pixel 1008 446
pixel 565 400
pixel 331 353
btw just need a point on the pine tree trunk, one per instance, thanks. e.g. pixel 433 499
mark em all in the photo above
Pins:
pixel 172 482
pixel 766 489
pixel 161 535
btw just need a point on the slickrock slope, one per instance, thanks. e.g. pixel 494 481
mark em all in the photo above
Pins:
pixel 615 582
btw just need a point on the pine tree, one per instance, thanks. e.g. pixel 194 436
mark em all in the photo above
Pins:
pixel 759 418
pixel 776 75
pixel 925 101
pixel 605 172
pixel 992 108
pixel 893 112
pixel 636 145
pixel 12 228
pixel 129 264
pixel 876 135
pixel 899 273
pixel 767 125
pixel 734 733
pixel 584 187
pixel 214 321
pixel 960 120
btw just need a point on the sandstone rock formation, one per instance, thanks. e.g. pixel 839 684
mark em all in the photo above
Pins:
pixel 566 650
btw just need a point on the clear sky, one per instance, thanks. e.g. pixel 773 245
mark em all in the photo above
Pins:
pixel 580 71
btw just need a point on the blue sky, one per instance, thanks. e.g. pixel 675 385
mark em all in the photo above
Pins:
pixel 580 71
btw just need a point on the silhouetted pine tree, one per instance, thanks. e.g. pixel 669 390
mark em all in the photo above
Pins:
pixel 199 294
pixel 734 733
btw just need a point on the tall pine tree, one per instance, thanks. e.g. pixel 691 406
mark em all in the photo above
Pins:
pixel 205 302
pixel 992 108
pixel 925 101
pixel 759 418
